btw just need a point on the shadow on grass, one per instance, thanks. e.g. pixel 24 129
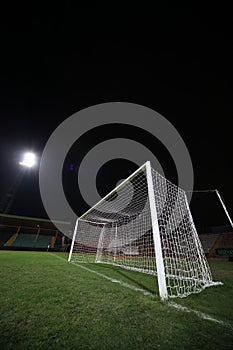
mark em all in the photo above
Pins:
pixel 128 276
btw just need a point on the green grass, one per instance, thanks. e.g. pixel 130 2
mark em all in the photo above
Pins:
pixel 47 303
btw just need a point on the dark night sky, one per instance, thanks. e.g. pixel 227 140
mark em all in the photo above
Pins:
pixel 58 60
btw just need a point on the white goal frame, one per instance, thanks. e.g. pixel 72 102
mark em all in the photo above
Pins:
pixel 159 255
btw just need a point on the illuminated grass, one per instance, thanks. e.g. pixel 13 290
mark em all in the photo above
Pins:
pixel 47 303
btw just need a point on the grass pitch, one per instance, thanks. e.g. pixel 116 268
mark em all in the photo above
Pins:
pixel 47 303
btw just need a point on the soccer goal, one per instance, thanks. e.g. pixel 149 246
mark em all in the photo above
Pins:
pixel 145 225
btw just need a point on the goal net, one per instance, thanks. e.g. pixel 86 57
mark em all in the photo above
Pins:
pixel 145 225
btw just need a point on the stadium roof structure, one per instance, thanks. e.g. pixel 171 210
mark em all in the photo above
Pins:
pixel 24 221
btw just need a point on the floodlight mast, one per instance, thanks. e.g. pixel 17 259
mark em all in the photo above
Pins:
pixel 8 198
pixel 28 162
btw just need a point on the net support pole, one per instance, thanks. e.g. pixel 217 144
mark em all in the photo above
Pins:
pixel 100 245
pixel 156 235
pixel 73 240
pixel 224 207
pixel 115 243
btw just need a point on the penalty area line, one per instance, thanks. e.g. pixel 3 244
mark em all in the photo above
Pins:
pixel 179 307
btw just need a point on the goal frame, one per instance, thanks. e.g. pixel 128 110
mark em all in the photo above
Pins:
pixel 158 254
pixel 155 228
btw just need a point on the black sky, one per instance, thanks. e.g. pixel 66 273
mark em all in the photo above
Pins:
pixel 57 60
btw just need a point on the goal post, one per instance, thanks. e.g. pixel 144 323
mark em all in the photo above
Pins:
pixel 156 235
pixel 145 225
pixel 73 240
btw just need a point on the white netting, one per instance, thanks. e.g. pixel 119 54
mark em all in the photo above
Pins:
pixel 118 230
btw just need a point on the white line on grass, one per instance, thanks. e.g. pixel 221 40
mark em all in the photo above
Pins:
pixel 201 315
pixel 123 284
pixel 113 280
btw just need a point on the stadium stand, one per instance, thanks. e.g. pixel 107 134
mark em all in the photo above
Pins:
pixel 5 235
pixel 226 241
pixel 37 234
pixel 44 241
pixel 62 243
pixel 58 243
pixel 11 240
pixel 17 233
pixel 24 240
pixel 27 240
pixel 208 240
pixel 218 245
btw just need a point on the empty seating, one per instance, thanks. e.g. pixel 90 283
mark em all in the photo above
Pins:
pixel 208 240
pixel 5 235
pixel 226 241
pixel 27 240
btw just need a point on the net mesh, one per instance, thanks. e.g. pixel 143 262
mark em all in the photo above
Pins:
pixel 118 230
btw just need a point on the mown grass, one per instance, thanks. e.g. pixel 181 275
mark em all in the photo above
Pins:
pixel 47 303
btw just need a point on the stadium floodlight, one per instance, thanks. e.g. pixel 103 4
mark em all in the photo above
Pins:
pixel 29 160
pixel 154 233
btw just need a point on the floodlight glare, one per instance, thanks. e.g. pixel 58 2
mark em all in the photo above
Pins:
pixel 29 160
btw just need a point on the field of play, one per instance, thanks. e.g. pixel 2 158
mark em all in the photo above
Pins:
pixel 48 303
